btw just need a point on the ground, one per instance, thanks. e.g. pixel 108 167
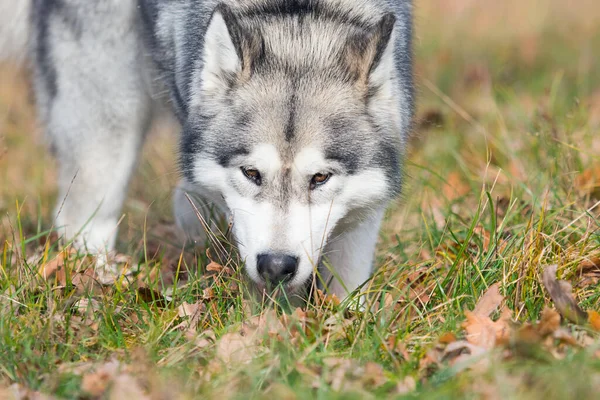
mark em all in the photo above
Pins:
pixel 501 197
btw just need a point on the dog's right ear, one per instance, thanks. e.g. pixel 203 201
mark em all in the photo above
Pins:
pixel 230 51
pixel 370 53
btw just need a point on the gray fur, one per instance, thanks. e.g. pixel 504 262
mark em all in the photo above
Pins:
pixel 305 78
pixel 14 29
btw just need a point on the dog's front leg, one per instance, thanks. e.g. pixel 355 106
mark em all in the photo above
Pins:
pixel 93 100
pixel 197 209
pixel 349 257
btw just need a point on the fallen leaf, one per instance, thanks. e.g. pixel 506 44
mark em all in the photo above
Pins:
pixel 399 347
pixel 124 386
pixel 373 375
pixel 86 282
pixel 267 324
pixel 280 391
pixel 338 369
pixel 447 338
pixel 203 340
pixel 489 302
pixel 96 383
pixel 18 392
pixel 186 309
pixel 113 381
pixel 388 300
pixel 463 355
pixel 527 334
pixel 561 293
pixel 85 272
pixel 348 375
pixel 406 385
pixel 217 268
pixel 214 267
pixel 150 296
pixel 589 264
pixel 588 182
pixel 565 336
pixel 594 320
pixel 431 361
pixel 191 314
pixel 420 293
pixel 56 266
pixel 326 300
pixel 243 345
pixel 313 375
pixel 238 348
pixel 208 294
pixel 481 330
pixel 588 272
pixel 336 327
pixel 549 322
pixel 88 309
pixel 485 235
pixel 455 187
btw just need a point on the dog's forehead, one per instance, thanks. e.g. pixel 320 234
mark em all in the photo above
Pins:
pixel 272 162
pixel 298 114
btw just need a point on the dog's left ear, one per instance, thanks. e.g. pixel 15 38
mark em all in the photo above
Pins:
pixel 370 54
pixel 230 51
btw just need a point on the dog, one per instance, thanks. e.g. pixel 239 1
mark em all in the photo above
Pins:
pixel 293 113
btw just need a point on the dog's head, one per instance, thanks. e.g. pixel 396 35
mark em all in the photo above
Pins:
pixel 296 122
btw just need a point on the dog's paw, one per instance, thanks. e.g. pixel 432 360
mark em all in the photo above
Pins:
pixel 110 268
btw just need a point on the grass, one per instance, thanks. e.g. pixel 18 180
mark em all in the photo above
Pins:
pixel 502 178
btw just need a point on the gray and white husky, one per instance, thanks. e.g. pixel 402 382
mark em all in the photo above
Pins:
pixel 293 116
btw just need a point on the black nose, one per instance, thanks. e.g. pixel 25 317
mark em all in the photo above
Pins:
pixel 276 268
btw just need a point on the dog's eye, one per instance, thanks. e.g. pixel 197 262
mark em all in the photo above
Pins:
pixel 318 179
pixel 252 174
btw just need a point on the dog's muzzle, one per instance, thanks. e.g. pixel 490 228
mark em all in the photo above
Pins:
pixel 276 269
